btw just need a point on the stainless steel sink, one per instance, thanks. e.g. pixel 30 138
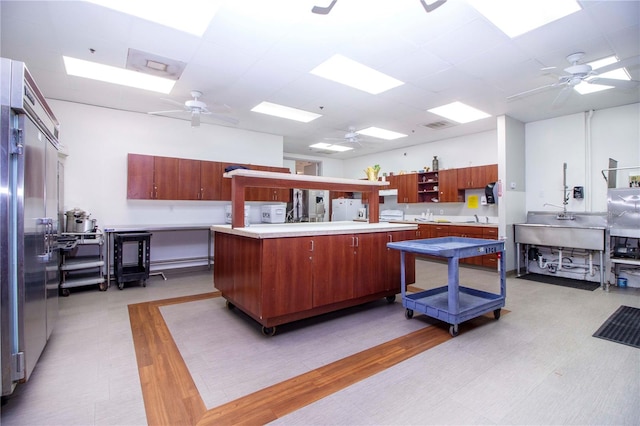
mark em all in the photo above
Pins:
pixel 588 238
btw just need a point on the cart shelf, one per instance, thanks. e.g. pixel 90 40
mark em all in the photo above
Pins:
pixel 452 303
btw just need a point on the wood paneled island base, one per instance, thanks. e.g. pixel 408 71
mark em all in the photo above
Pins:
pixel 278 274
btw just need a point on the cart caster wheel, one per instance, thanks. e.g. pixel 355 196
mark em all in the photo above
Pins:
pixel 496 313
pixel 120 286
pixel 102 286
pixel 65 292
pixel 269 331
pixel 453 330
pixel 144 283
pixel 408 314
pixel 391 299
pixel 230 305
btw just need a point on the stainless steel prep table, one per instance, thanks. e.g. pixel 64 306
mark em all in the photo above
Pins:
pixel 110 230
pixel 452 303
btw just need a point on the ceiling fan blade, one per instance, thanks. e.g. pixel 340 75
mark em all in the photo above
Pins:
pixel 629 62
pixel 323 10
pixel 195 119
pixel 433 6
pixel 532 91
pixel 226 118
pixel 171 101
pixel 165 112
pixel 562 97
pixel 620 84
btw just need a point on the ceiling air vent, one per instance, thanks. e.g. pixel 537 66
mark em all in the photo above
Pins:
pixel 441 124
pixel 151 64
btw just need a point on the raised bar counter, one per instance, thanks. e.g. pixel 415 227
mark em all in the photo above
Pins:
pixel 312 229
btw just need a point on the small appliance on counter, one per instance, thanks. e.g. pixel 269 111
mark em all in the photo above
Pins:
pixel 391 215
pixel 79 221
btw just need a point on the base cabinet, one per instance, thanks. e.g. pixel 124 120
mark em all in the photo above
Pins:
pixel 280 280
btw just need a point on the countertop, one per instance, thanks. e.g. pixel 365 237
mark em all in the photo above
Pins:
pixel 305 229
pixel 424 222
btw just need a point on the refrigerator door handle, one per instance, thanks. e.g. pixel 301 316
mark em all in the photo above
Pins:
pixel 48 237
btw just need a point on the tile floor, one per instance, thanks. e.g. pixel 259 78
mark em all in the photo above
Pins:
pixel 538 364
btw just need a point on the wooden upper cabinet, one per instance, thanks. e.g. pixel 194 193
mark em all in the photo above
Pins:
pixel 477 177
pixel 165 178
pixel 150 178
pixel 491 173
pixel 189 174
pixel 407 188
pixel 211 180
pixel 448 185
pixel 139 177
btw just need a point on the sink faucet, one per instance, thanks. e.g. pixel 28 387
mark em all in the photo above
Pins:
pixel 476 216
pixel 487 218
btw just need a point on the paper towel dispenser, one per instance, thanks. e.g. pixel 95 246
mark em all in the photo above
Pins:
pixel 491 192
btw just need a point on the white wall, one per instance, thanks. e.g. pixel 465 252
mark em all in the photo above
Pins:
pixel 472 150
pixel 98 140
pixel 585 145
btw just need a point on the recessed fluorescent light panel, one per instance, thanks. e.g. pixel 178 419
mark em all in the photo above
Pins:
pixel 377 132
pixel 518 17
pixel 285 112
pixel 329 147
pixel 459 112
pixel 346 71
pixel 190 16
pixel 115 75
pixel 585 88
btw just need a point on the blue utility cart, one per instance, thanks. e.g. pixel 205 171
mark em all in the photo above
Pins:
pixel 452 303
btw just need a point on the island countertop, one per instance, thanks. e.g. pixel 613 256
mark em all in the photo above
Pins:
pixel 283 230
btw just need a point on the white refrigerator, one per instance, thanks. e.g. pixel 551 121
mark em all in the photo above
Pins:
pixel 345 209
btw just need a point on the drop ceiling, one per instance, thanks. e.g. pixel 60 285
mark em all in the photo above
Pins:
pixel 263 50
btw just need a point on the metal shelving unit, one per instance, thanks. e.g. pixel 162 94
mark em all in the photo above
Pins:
pixel 83 264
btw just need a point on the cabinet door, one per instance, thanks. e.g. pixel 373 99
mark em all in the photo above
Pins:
pixel 392 275
pixel 448 186
pixel 333 269
pixel 490 173
pixel 490 260
pixel 211 180
pixel 188 179
pixel 287 283
pixel 370 263
pixel 139 177
pixel 165 178
pixel 407 188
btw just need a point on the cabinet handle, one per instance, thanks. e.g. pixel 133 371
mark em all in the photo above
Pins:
pixel 390 237
pixel 357 242
pixel 311 245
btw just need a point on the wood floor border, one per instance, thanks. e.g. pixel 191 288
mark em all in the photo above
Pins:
pixel 172 398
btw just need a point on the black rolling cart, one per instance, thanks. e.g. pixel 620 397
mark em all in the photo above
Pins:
pixel 127 272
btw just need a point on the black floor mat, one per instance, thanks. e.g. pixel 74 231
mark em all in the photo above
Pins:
pixel 622 327
pixel 561 281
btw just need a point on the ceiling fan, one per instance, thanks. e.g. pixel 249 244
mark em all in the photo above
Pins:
pixel 578 73
pixel 351 137
pixel 197 108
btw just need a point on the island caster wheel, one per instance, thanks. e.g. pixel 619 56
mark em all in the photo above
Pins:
pixel 453 330
pixel 66 292
pixel 230 305
pixel 496 313
pixel 269 331
pixel 391 299
pixel 102 286
pixel 408 314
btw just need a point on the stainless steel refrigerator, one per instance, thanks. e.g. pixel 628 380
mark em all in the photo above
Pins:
pixel 29 223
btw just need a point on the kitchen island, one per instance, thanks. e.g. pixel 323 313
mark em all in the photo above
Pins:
pixel 279 273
